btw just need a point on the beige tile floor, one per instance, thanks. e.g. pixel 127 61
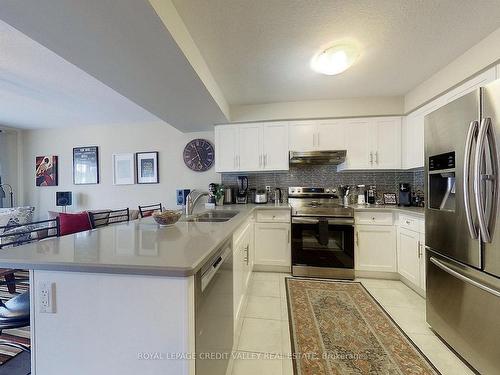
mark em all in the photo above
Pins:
pixel 264 340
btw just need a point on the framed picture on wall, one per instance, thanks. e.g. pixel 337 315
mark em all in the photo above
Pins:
pixel 46 170
pixel 85 165
pixel 123 169
pixel 147 167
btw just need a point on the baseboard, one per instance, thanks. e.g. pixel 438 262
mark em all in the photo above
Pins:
pixel 377 275
pixel 412 286
pixel 267 268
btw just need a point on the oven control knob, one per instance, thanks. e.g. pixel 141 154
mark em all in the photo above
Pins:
pixel 328 190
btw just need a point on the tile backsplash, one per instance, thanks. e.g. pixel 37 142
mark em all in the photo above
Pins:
pixel 328 177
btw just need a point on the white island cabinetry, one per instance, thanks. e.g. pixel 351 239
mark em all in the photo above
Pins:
pixel 243 251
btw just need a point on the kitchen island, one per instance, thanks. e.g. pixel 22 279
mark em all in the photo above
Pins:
pixel 123 297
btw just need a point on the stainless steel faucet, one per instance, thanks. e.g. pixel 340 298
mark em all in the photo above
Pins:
pixel 193 198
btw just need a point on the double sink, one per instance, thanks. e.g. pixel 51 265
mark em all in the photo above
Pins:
pixel 212 217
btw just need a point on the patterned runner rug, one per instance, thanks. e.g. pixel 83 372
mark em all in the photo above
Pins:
pixel 338 328
pixel 20 335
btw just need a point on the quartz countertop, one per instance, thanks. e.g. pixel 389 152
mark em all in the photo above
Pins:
pixel 418 211
pixel 139 247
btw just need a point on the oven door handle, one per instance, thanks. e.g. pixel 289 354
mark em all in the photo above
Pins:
pixel 315 220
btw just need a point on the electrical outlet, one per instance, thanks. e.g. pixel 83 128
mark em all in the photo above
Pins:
pixel 47 293
pixel 268 188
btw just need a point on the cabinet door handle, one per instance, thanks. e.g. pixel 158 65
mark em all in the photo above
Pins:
pixel 376 157
pixel 245 259
pixel 288 235
pixel 418 249
pixel 371 157
pixel 357 238
pixel 260 160
pixel 317 139
pixel 265 160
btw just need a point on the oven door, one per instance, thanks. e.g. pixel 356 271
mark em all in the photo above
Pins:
pixel 323 247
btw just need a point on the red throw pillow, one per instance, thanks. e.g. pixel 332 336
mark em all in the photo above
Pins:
pixel 74 223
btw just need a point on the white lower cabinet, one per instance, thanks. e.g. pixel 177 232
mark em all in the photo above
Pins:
pixel 375 248
pixel 408 255
pixel 242 266
pixel 411 250
pixel 272 244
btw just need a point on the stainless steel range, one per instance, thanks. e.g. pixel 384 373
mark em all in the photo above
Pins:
pixel 322 234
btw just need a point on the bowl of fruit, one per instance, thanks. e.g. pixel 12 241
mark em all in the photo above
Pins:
pixel 167 217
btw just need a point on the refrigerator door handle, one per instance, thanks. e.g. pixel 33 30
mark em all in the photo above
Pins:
pixel 462 277
pixel 471 135
pixel 485 133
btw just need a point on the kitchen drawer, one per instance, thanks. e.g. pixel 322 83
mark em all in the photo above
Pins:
pixel 411 223
pixel 375 218
pixel 273 216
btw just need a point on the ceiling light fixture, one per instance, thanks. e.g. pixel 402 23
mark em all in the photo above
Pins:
pixel 335 59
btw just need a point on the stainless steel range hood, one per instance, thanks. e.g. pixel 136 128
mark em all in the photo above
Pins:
pixel 333 157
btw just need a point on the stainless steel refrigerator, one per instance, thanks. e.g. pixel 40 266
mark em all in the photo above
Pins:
pixel 462 233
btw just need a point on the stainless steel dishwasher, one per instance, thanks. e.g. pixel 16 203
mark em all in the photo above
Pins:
pixel 214 313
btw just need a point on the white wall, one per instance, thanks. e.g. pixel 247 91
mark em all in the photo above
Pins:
pixel 353 107
pixel 111 139
pixel 479 57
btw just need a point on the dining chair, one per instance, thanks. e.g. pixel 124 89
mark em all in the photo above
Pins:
pixel 146 211
pixel 19 234
pixel 99 218
pixel 119 216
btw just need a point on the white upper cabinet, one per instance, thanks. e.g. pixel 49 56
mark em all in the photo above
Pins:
pixel 302 135
pixel 275 146
pixel 372 143
pixel 359 144
pixel 317 135
pixel 330 135
pixel 413 141
pixel 413 124
pixel 251 147
pixel 387 153
pixel 226 148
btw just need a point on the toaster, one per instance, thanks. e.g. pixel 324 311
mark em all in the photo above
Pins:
pixel 261 196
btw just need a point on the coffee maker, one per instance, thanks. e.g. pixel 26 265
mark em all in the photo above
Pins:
pixel 404 194
pixel 242 194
